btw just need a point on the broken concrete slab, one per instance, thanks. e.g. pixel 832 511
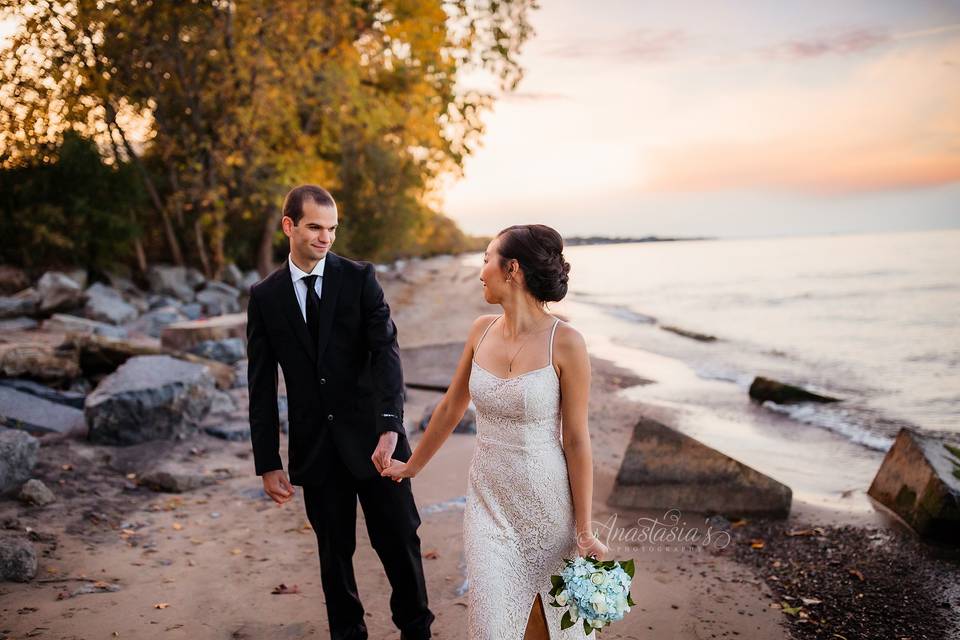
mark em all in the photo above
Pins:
pixel 919 480
pixel 665 469
pixel 184 336
pixel 766 389
pixel 149 398
pixel 25 411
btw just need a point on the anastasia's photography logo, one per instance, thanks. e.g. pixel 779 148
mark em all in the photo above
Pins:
pixel 669 533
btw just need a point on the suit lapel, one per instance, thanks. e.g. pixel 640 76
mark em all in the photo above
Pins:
pixel 332 278
pixel 291 309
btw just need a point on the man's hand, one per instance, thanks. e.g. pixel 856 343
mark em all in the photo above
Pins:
pixel 277 486
pixel 384 452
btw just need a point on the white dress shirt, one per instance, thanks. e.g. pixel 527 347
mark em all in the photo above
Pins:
pixel 300 287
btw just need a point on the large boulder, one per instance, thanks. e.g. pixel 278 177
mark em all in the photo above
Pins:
pixel 919 480
pixel 65 323
pixel 18 559
pixel 665 469
pixel 58 291
pixel 149 398
pixel 18 456
pixel 184 336
pixel 106 304
pixel 172 281
pixel 228 350
pixel 763 389
pixel 25 411
pixel 432 366
pixel 38 360
pixel 153 322
pixel 219 298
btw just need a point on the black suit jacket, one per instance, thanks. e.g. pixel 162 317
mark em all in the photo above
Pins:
pixel 340 396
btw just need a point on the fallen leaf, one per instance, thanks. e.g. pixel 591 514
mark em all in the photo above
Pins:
pixel 809 601
pixel 856 572
pixel 236 552
pixel 793 611
pixel 161 605
pixel 283 589
pixel 177 526
pixel 816 531
pixel 756 543
pixel 739 523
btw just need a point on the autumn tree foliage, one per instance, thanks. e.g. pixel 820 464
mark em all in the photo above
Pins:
pixel 215 108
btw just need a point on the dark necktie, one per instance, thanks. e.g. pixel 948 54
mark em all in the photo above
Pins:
pixel 313 309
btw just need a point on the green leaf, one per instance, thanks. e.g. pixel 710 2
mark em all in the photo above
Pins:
pixel 629 567
pixel 630 599
pixel 587 629
pixel 566 621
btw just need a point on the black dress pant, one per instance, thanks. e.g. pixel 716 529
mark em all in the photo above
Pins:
pixel 392 522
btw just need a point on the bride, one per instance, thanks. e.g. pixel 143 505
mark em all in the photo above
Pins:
pixel 531 477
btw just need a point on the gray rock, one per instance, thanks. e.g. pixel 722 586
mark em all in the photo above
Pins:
pixel 232 275
pixel 18 559
pixel 192 310
pixel 22 305
pixel 156 301
pixel 228 350
pixel 64 323
pixel 170 478
pixel 28 412
pixel 35 492
pixel 195 278
pixel 78 275
pixel 18 456
pixel 467 424
pixel 250 278
pixel 172 281
pixel 232 431
pixel 19 323
pixel 762 389
pixel 149 398
pixel 184 336
pixel 432 366
pixel 919 480
pixel 58 291
pixel 665 469
pixel 107 305
pixel 219 298
pixel 154 321
pixel 68 398
pixel 221 403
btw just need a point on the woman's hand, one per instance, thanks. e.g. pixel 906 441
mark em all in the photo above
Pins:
pixel 398 470
pixel 589 545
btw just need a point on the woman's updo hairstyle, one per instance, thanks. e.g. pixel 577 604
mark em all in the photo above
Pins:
pixel 539 250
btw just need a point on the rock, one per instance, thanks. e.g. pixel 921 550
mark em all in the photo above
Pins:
pixel 467 424
pixel 686 333
pixel 766 389
pixel 25 304
pixel 250 278
pixel 57 291
pixel 107 305
pixel 195 278
pixel 38 360
pixel 124 285
pixel 63 323
pixel 19 323
pixel 173 479
pixel 231 275
pixel 192 310
pixel 68 398
pixel 157 300
pixel 172 281
pixel 153 322
pixel 219 298
pixel 18 456
pixel 430 367
pixel 18 559
pixel 149 398
pixel 228 350
pixel 35 492
pixel 184 336
pixel 24 411
pixel 12 279
pixel 78 275
pixel 232 431
pixel 221 403
pixel 665 469
pixel 919 480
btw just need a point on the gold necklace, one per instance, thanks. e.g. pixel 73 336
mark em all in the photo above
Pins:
pixel 522 345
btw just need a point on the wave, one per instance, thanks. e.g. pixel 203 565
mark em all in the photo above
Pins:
pixel 832 419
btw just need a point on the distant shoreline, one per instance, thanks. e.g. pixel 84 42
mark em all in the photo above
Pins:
pixel 588 240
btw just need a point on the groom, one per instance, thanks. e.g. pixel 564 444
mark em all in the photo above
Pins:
pixel 324 320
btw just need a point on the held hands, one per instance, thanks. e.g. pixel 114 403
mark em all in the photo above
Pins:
pixel 589 545
pixel 398 470
pixel 384 451
pixel 277 486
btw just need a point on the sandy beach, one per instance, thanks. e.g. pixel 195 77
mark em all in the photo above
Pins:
pixel 205 564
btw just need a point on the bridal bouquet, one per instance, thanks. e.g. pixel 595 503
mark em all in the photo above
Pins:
pixel 596 592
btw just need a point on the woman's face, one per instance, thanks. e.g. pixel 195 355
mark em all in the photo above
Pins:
pixel 492 276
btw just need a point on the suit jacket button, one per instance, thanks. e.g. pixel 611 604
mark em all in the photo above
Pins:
pixel 323 381
pixel 330 417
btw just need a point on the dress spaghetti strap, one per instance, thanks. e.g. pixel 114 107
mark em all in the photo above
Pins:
pixel 552 333
pixel 482 336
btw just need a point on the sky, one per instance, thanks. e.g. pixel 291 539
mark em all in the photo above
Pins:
pixel 726 119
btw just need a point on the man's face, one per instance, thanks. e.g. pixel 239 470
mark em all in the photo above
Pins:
pixel 313 236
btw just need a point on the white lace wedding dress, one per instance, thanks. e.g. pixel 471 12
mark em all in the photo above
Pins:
pixel 518 523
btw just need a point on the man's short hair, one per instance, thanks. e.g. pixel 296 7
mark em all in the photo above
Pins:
pixel 293 203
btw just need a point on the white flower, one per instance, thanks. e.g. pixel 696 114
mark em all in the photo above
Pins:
pixel 597 578
pixel 563 597
pixel 596 624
